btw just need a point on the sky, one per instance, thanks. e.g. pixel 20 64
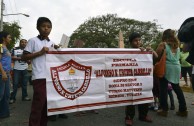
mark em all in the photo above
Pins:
pixel 67 15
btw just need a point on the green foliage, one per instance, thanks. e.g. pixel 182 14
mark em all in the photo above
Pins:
pixel 157 40
pixel 103 31
pixel 14 30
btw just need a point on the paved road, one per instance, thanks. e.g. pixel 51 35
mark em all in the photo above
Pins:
pixel 106 117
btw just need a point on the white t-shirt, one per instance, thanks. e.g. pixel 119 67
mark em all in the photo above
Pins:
pixel 193 70
pixel 18 64
pixel 38 63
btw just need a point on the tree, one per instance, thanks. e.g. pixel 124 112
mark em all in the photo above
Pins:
pixel 14 30
pixel 102 31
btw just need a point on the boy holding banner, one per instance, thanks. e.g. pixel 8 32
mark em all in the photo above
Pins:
pixel 135 42
pixel 35 51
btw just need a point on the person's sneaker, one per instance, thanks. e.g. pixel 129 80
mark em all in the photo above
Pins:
pixel 64 116
pixel 162 113
pixel 52 118
pixel 11 101
pixel 26 99
pixel 155 108
pixel 146 119
pixel 182 113
pixel 128 121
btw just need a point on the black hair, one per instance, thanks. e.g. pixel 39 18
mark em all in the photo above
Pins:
pixel 22 40
pixel 133 36
pixel 42 20
pixel 3 34
pixel 186 31
pixel 169 36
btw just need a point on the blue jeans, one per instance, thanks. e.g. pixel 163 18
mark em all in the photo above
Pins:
pixel 4 97
pixel 17 76
pixel 164 92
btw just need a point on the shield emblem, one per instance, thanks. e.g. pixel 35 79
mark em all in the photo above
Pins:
pixel 71 79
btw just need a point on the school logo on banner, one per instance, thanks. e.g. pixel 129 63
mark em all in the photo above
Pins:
pixel 71 79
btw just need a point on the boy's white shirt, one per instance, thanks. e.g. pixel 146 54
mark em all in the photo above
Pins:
pixel 38 63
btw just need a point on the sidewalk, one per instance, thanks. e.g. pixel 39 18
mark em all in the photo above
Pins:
pixel 107 117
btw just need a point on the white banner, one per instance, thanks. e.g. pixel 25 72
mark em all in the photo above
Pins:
pixel 85 79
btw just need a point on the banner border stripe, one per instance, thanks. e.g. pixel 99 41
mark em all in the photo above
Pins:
pixel 97 104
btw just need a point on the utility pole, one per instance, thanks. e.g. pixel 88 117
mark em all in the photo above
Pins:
pixel 2 8
pixel 1 20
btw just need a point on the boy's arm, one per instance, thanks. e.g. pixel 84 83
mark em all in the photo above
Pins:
pixel 15 58
pixel 155 55
pixel 28 56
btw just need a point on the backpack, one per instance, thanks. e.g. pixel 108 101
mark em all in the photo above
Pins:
pixel 186 31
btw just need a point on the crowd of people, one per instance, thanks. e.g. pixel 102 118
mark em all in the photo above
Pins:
pixel 33 52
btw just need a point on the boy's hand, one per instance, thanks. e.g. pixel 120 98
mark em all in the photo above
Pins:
pixel 142 49
pixel 57 46
pixel 149 49
pixel 44 50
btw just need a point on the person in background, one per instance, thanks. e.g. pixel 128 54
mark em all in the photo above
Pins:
pixel 186 35
pixel 20 72
pixel 186 68
pixel 170 94
pixel 192 82
pixel 135 42
pixel 5 67
pixel 172 73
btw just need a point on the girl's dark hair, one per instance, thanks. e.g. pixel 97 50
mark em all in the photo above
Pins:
pixel 42 20
pixel 133 36
pixel 169 36
pixel 3 34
